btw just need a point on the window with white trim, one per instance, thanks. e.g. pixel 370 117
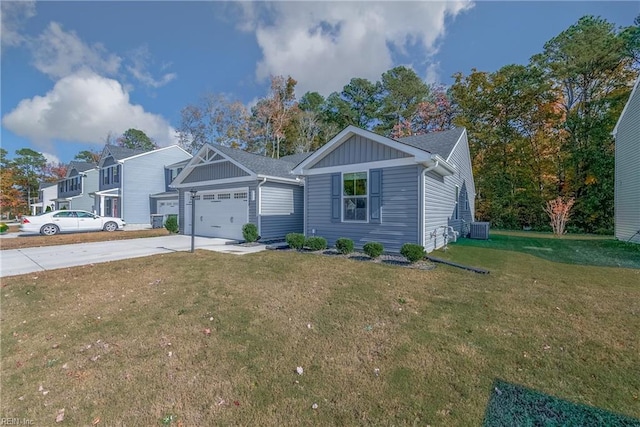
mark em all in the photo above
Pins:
pixel 354 196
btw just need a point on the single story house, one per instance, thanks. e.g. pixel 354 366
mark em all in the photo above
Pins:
pixel 368 187
pixel 627 173
pixel 233 188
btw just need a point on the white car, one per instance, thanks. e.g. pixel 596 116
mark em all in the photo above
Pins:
pixel 64 221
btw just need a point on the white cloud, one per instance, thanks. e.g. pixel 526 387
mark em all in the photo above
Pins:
pixel 58 53
pixel 51 158
pixel 84 107
pixel 13 15
pixel 141 58
pixel 325 44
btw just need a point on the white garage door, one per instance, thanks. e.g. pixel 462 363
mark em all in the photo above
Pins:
pixel 168 207
pixel 220 213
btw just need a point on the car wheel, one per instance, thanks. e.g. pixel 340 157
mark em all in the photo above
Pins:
pixel 49 229
pixel 110 226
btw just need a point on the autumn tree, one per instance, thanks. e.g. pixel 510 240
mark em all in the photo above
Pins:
pixel 53 172
pixel 214 119
pixel 136 139
pixel 591 66
pixel 272 115
pixel 88 156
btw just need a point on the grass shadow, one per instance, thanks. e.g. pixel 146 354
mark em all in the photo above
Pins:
pixel 515 405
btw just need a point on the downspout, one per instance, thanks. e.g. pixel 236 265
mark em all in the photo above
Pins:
pixel 259 205
pixel 122 188
pixel 424 194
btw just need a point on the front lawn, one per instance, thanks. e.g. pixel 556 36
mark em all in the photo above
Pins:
pixel 215 339
pixel 580 249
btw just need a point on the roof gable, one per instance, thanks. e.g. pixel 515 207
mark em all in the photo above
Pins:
pixel 626 106
pixel 409 152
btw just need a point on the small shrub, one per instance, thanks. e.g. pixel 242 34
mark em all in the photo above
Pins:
pixel 373 249
pixel 412 252
pixel 250 232
pixel 3 227
pixel 48 209
pixel 295 240
pixel 171 224
pixel 316 243
pixel 344 245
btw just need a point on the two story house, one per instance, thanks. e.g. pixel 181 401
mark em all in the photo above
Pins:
pixel 47 193
pixel 76 189
pixel 127 178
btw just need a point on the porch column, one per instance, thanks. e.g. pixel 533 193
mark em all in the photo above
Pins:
pixel 101 205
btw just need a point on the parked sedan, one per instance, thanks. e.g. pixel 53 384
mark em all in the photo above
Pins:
pixel 63 221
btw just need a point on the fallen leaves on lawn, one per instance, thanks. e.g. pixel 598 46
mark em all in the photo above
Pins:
pixel 60 416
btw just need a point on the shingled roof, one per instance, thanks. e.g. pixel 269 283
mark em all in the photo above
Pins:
pixel 81 166
pixel 259 164
pixel 120 153
pixel 440 143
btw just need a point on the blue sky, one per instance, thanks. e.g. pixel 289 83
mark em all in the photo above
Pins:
pixel 72 72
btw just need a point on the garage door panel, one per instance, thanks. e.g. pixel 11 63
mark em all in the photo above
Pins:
pixel 222 214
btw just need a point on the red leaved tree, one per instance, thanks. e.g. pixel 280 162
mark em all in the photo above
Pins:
pixel 559 211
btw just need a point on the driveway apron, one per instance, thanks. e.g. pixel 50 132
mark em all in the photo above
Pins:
pixel 29 260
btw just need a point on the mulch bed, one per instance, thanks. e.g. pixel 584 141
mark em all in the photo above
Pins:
pixel 388 259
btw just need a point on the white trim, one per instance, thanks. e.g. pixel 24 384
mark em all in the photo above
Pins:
pixel 624 110
pixel 303 167
pixel 153 151
pixel 342 197
pixel 213 182
pixel 198 160
pixel 464 132
pixel 295 180
pixel 407 161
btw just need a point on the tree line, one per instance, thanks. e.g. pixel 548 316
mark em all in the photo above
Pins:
pixel 536 131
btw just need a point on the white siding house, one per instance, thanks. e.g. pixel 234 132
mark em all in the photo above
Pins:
pixel 627 170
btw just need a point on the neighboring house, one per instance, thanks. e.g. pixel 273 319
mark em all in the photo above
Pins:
pixel 234 188
pixel 47 192
pixel 166 202
pixel 367 187
pixel 127 179
pixel 75 190
pixel 627 170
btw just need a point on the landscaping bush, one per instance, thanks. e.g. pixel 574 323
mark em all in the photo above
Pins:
pixel 316 243
pixel 412 252
pixel 344 245
pixel 48 209
pixel 373 249
pixel 295 240
pixel 171 224
pixel 3 227
pixel 250 232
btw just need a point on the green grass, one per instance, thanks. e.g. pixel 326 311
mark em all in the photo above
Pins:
pixel 215 339
pixel 582 249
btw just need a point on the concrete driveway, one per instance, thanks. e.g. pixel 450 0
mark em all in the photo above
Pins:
pixel 29 260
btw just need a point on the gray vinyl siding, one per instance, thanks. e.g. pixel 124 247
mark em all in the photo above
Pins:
pixel 439 198
pixel 358 149
pixel 184 196
pixel 627 172
pixel 282 209
pixel 89 185
pixel 399 212
pixel 142 176
pixel 209 172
